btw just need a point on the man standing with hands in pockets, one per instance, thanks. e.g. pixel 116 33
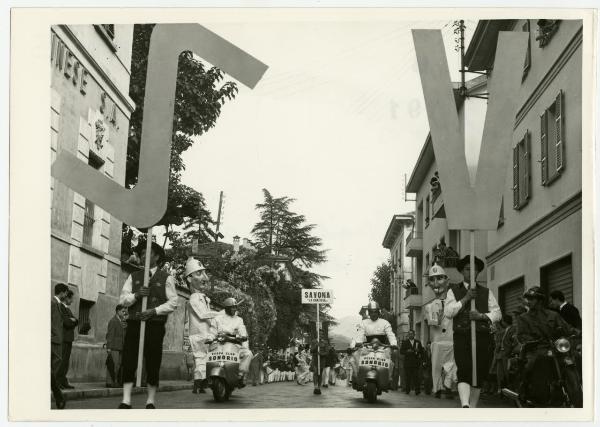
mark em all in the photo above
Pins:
pixel 487 311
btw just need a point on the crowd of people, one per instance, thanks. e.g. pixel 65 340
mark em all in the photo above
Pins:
pixel 414 366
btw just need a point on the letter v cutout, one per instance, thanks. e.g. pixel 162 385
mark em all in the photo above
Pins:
pixel 145 204
pixel 467 207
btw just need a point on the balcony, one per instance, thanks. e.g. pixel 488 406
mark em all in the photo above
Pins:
pixel 412 298
pixel 414 244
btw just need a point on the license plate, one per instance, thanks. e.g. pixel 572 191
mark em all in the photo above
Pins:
pixel 375 361
pixel 223 356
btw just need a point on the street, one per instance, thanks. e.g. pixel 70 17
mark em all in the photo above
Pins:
pixel 282 395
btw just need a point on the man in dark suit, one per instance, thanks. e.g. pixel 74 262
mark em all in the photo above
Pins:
pixel 567 311
pixel 412 349
pixel 56 338
pixel 115 336
pixel 69 324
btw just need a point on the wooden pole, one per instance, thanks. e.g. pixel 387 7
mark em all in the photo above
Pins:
pixel 319 379
pixel 144 303
pixel 473 335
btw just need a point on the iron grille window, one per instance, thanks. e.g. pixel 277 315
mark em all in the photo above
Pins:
pixel 84 316
pixel 88 223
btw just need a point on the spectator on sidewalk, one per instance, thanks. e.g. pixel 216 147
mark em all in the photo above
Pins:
pixel 333 362
pixel 115 336
pixel 413 360
pixel 567 310
pixel 56 339
pixel 69 324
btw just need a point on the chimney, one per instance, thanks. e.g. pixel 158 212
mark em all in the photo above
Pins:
pixel 236 244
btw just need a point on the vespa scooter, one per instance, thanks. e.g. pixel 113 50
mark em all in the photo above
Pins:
pixel 223 365
pixel 373 376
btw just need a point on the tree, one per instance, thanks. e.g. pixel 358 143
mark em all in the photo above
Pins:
pixel 380 285
pixel 282 232
pixel 199 96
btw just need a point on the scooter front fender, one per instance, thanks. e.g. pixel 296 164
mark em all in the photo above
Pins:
pixel 371 375
pixel 217 371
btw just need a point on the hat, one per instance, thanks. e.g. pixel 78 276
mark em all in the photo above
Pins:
pixel 230 302
pixel 436 270
pixel 156 248
pixel 373 305
pixel 479 265
pixel 192 265
pixel 534 292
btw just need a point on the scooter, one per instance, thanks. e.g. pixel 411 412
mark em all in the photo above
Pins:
pixel 555 379
pixel 223 365
pixel 373 376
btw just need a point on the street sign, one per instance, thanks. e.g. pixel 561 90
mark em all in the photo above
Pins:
pixel 317 296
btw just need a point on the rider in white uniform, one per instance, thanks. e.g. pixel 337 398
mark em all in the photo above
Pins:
pixel 375 327
pixel 228 322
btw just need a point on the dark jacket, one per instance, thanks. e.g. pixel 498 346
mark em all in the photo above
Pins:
pixel 461 322
pixel 413 354
pixel 158 293
pixel 571 315
pixel 56 322
pixel 69 323
pixel 542 324
pixel 115 334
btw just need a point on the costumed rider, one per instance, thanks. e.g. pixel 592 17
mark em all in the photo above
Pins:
pixel 539 324
pixel 440 327
pixel 200 319
pixel 375 327
pixel 487 311
pixel 228 322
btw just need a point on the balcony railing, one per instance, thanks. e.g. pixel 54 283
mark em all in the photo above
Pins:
pixel 414 235
pixel 414 244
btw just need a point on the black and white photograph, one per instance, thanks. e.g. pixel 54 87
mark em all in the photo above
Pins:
pixel 325 209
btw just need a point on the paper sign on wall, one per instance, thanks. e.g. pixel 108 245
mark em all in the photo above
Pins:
pixel 144 205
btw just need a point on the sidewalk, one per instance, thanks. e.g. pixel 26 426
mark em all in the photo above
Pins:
pixel 93 390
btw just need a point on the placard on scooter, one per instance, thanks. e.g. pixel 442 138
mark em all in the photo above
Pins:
pixel 374 361
pixel 223 356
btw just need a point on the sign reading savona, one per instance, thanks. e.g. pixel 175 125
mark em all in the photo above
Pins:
pixel 317 296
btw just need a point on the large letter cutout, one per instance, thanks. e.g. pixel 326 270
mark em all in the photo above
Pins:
pixel 471 208
pixel 144 205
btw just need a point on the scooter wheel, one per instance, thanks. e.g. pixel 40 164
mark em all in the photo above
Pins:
pixel 219 389
pixel 370 392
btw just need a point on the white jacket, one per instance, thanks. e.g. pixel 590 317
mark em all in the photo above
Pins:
pixel 380 326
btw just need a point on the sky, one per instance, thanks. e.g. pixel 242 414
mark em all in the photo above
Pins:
pixel 337 122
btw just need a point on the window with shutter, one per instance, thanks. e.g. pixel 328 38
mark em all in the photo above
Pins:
pixel 516 176
pixel 527 65
pixel 521 166
pixel 544 146
pixel 553 141
pixel 558 104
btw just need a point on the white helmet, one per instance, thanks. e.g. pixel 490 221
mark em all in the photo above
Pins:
pixel 436 270
pixel 192 265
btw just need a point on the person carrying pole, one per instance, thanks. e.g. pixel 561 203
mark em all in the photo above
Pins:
pixel 161 301
pixel 459 308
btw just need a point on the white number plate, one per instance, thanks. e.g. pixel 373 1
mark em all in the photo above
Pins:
pixel 222 356
pixel 375 361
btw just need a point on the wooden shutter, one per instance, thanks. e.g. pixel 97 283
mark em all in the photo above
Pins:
pixel 510 296
pixel 526 165
pixel 516 177
pixel 544 146
pixel 560 146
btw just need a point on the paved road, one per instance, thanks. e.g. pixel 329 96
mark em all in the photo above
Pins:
pixel 281 395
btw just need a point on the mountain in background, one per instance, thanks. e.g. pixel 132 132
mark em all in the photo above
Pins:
pixel 341 334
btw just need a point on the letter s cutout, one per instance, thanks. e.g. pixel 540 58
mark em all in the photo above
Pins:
pixel 145 204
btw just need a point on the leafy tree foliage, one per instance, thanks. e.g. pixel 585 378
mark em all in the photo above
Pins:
pixel 380 285
pixel 282 232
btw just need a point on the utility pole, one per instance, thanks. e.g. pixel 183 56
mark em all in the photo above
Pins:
pixel 219 217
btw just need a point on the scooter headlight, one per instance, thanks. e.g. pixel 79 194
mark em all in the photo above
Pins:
pixel 221 364
pixel 563 345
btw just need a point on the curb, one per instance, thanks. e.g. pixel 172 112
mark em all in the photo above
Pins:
pixel 107 392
